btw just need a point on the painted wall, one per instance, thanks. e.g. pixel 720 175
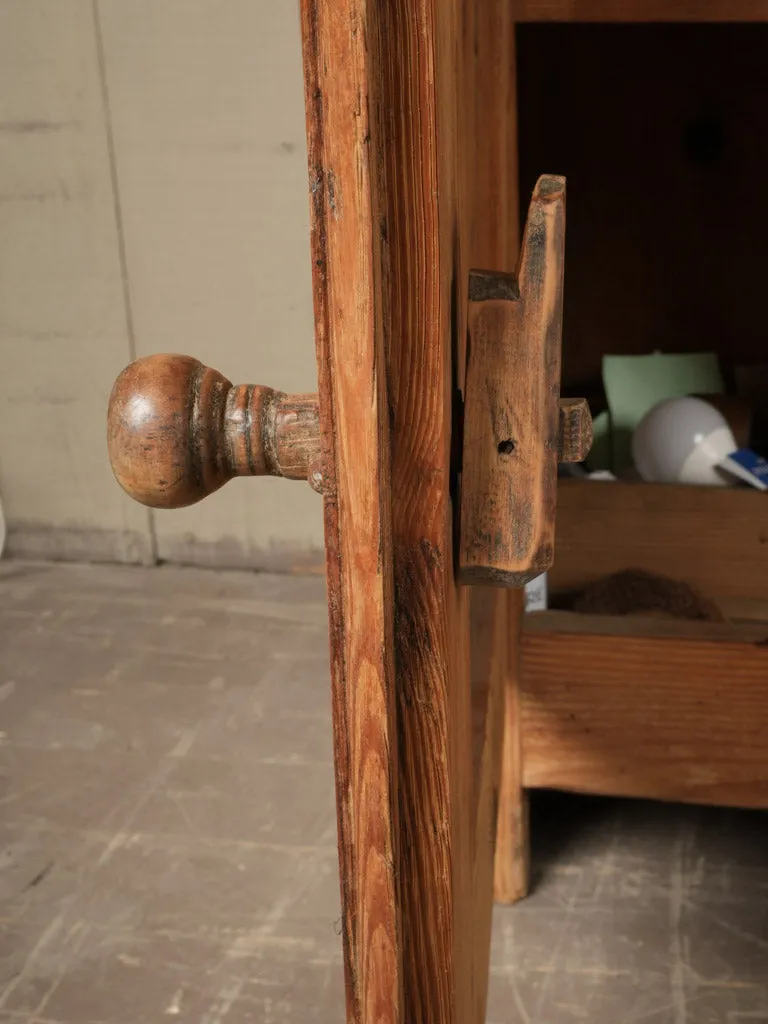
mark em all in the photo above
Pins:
pixel 153 197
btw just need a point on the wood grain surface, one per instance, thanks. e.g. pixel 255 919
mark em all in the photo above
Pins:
pixel 670 718
pixel 645 625
pixel 512 863
pixel 407 106
pixel 714 538
pixel 178 430
pixel 495 244
pixel 512 417
pixel 342 78
pixel 574 437
pixel 489 630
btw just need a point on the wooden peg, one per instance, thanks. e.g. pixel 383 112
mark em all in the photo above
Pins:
pixel 574 430
pixel 515 427
pixel 178 430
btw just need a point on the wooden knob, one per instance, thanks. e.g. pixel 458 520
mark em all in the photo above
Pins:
pixel 177 430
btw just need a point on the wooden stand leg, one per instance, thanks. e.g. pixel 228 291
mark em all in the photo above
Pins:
pixel 488 625
pixel 511 868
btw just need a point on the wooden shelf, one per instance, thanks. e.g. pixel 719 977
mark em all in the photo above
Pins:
pixel 645 708
pixel 713 538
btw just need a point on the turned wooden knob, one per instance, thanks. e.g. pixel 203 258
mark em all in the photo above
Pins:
pixel 177 430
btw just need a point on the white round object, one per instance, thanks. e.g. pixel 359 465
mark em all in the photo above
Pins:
pixel 681 440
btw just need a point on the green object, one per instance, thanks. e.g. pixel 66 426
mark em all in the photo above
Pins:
pixel 600 453
pixel 634 384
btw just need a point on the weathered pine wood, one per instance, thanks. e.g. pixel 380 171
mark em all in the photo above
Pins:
pixel 178 430
pixel 496 240
pixel 392 98
pixel 645 716
pixel 715 539
pixel 425 226
pixel 511 411
pixel 511 868
pixel 647 626
pixel 574 438
pixel 343 78
pixel 489 628
pixel 640 10
pixel 489 41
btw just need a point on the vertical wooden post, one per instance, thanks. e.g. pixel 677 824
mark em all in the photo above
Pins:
pixel 412 183
pixel 511 864
pixel 511 869
pixel 343 78
pixel 410 180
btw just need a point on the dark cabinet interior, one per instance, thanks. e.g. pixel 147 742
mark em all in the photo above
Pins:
pixel 662 133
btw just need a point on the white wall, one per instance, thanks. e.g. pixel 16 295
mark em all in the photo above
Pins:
pixel 153 197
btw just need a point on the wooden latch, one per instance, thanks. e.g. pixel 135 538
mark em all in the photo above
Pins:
pixel 516 427
pixel 178 430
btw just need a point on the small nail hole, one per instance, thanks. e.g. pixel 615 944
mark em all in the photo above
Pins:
pixel 506 447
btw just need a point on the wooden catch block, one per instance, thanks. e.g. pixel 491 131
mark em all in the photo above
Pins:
pixel 515 428
pixel 574 430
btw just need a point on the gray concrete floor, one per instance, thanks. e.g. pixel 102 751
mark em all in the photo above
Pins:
pixel 167 832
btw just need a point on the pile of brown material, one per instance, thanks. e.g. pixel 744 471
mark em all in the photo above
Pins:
pixel 636 592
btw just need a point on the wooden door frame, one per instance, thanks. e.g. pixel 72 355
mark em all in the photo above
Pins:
pixel 412 182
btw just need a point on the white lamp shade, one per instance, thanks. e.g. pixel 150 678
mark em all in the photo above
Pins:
pixel 681 440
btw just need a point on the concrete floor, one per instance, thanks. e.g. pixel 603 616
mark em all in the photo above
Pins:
pixel 167 834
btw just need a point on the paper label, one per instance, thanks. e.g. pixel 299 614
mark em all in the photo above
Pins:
pixel 536 594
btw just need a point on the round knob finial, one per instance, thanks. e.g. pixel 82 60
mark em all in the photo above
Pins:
pixel 177 430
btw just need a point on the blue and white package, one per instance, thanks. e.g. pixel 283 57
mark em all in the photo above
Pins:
pixel 748 466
